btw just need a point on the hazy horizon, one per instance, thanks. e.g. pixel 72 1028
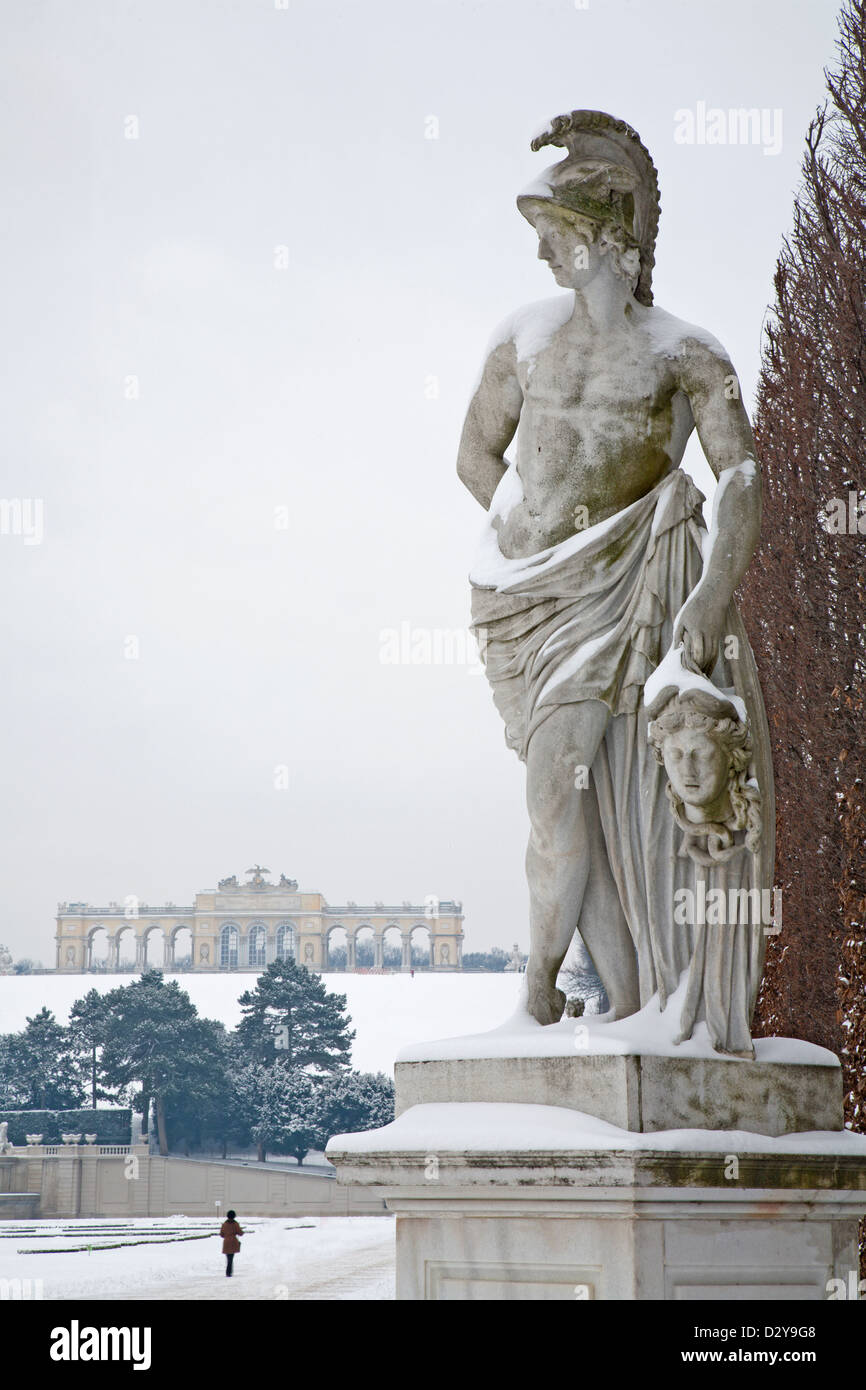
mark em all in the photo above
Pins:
pixel 247 298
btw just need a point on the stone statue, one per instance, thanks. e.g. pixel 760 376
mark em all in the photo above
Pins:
pixel 515 960
pixel 230 882
pixel 5 961
pixel 595 567
pixel 4 1137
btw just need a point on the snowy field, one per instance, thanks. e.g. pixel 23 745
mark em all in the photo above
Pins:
pixel 388 1011
pixel 326 1257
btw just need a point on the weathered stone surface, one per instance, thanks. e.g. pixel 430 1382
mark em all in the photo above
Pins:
pixel 16 1206
pixel 640 1093
pixel 598 1224
pixel 571 1172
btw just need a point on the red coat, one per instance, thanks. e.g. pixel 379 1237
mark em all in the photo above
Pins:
pixel 230 1230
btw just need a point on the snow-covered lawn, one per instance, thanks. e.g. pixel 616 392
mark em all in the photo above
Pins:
pixel 388 1011
pixel 327 1257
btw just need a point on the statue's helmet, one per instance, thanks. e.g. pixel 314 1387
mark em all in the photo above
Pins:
pixel 607 176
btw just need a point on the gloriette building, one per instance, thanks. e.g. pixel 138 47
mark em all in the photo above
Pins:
pixel 245 926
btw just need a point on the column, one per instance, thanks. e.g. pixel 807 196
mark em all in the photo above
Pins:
pixel 379 950
pixel 350 952
pixel 407 952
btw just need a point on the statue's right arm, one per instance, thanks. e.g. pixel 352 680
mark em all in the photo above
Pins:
pixel 491 421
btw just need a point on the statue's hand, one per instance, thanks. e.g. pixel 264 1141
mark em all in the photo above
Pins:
pixel 699 629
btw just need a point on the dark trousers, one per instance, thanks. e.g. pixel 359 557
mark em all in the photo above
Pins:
pixel 229 1263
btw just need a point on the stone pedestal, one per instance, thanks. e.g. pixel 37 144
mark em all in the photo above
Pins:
pixel 616 1177
pixel 641 1093
pixel 602 1223
pixel 608 1225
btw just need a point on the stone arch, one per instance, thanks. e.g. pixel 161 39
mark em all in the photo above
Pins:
pixel 285 940
pixel 179 951
pixel 148 955
pixel 228 946
pixel 421 950
pixel 257 945
pixel 330 948
pixel 99 958
pixel 366 960
pixel 393 947
pixel 125 947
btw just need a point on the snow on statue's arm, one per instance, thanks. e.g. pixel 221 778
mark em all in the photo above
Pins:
pixel 707 377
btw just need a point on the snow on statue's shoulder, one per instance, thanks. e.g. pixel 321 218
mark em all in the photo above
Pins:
pixel 669 334
pixel 532 326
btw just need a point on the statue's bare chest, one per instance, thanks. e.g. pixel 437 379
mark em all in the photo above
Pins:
pixel 596 378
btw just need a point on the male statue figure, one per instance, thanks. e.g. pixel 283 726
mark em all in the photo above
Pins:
pixel 591 568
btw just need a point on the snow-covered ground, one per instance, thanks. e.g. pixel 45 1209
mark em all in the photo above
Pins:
pixel 327 1257
pixel 388 1012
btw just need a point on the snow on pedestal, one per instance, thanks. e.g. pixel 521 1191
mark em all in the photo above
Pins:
pixel 511 1197
pixel 630 1073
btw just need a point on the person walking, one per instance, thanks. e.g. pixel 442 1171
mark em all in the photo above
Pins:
pixel 230 1230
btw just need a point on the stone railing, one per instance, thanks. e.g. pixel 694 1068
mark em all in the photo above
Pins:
pixel 117 910
pixel 74 1150
pixel 418 910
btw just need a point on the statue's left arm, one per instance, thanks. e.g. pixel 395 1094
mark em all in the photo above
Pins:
pixel 709 381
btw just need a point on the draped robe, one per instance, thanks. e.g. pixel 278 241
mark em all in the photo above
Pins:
pixel 590 619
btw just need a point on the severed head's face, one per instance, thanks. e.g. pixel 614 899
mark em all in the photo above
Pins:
pixel 706 751
pixel 698 767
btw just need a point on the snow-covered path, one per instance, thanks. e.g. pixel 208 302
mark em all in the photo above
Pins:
pixel 309 1258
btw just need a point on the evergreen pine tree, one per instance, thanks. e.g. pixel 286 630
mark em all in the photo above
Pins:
pixel 291 1017
pixel 278 1104
pixel 156 1038
pixel 354 1102
pixel 88 1027
pixel 42 1062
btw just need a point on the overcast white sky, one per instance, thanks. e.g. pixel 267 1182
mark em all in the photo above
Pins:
pixel 307 388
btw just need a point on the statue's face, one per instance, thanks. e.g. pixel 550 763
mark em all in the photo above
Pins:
pixel 569 247
pixel 697 766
